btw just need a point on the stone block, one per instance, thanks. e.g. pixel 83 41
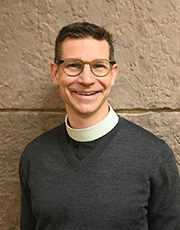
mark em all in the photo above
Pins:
pixel 17 129
pixel 145 49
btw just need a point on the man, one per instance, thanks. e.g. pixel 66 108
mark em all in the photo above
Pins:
pixel 96 170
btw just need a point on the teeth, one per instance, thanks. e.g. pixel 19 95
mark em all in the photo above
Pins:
pixel 86 94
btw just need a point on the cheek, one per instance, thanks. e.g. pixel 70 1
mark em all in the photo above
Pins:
pixel 107 82
pixel 65 83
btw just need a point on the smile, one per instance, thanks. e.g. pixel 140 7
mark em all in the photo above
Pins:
pixel 86 94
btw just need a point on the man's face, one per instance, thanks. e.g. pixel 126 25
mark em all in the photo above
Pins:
pixel 85 94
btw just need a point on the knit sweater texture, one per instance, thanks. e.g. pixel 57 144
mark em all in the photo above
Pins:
pixel 128 182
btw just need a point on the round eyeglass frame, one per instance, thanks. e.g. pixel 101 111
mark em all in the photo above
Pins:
pixel 83 63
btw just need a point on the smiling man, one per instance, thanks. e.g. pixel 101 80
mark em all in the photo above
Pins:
pixel 96 170
pixel 85 77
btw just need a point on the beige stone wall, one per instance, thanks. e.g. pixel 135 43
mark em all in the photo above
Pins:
pixel 147 90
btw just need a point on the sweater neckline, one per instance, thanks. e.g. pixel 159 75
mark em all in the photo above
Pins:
pixel 92 157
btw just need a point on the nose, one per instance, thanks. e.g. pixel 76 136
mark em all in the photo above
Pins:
pixel 86 77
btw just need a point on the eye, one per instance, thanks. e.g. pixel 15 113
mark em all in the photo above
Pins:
pixel 72 65
pixel 99 65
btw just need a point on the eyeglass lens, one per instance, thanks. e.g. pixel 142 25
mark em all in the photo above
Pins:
pixel 74 67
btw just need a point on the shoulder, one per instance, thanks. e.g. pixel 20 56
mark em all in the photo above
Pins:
pixel 145 149
pixel 142 140
pixel 43 142
pixel 137 132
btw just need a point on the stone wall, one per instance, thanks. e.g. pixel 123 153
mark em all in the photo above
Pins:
pixel 147 90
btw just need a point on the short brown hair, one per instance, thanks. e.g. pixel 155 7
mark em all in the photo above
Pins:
pixel 83 30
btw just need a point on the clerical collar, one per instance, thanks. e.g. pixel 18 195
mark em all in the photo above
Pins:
pixel 96 131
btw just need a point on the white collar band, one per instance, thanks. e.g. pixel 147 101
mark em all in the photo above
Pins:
pixel 96 131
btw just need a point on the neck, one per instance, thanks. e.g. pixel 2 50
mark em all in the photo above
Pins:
pixel 93 132
pixel 83 121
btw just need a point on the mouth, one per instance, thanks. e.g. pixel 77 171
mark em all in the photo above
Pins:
pixel 86 94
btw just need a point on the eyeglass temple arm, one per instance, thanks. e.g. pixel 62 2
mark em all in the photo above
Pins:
pixel 58 61
pixel 112 62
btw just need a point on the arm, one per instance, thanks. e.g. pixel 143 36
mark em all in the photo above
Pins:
pixel 28 221
pixel 164 203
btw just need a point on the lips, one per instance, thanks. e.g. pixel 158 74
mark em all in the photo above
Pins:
pixel 86 94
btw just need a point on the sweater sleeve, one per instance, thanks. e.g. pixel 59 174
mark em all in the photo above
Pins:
pixel 164 203
pixel 28 221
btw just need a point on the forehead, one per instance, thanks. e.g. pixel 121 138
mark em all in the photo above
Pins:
pixel 84 48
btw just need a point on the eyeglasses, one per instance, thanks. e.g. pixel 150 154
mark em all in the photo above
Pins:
pixel 73 67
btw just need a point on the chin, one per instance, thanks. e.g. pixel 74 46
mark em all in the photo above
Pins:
pixel 88 110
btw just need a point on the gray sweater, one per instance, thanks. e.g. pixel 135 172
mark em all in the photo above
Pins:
pixel 129 181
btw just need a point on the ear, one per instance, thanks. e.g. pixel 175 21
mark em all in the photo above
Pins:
pixel 54 73
pixel 114 73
